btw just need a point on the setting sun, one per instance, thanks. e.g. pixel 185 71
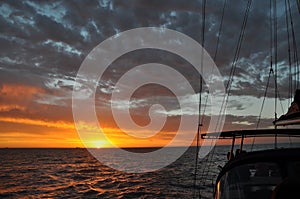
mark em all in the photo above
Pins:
pixel 100 144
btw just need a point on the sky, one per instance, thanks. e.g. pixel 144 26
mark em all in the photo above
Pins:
pixel 43 44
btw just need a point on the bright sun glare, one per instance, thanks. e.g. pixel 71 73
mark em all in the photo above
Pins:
pixel 99 144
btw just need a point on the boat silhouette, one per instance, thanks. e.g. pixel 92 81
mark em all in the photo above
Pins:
pixel 266 173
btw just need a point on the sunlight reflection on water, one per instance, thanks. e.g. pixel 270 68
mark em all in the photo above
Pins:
pixel 75 173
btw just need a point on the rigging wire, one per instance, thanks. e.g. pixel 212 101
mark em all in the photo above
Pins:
pixel 275 53
pixel 218 42
pixel 280 101
pixel 264 99
pixel 220 30
pixel 290 93
pixel 295 51
pixel 262 106
pixel 289 58
pixel 217 47
pixel 272 28
pixel 234 62
pixel 200 100
pixel 233 66
pixel 209 160
pixel 271 36
pixel 271 70
pixel 204 109
pixel 275 64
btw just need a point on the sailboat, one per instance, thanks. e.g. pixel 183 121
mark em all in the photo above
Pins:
pixel 259 174
pixel 266 173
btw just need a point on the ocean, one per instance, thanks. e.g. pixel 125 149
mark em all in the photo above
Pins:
pixel 74 173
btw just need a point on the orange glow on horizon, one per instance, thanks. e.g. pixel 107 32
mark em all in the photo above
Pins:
pixel 63 134
pixel 58 124
pixel 24 122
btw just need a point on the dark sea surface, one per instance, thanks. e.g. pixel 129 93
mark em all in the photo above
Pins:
pixel 74 173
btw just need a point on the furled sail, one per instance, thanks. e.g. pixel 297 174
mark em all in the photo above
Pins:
pixel 292 117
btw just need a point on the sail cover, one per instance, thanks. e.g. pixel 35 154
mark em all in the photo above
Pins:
pixel 290 119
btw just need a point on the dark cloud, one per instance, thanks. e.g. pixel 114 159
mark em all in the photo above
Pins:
pixel 43 44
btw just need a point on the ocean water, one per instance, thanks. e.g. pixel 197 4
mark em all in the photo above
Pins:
pixel 74 173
